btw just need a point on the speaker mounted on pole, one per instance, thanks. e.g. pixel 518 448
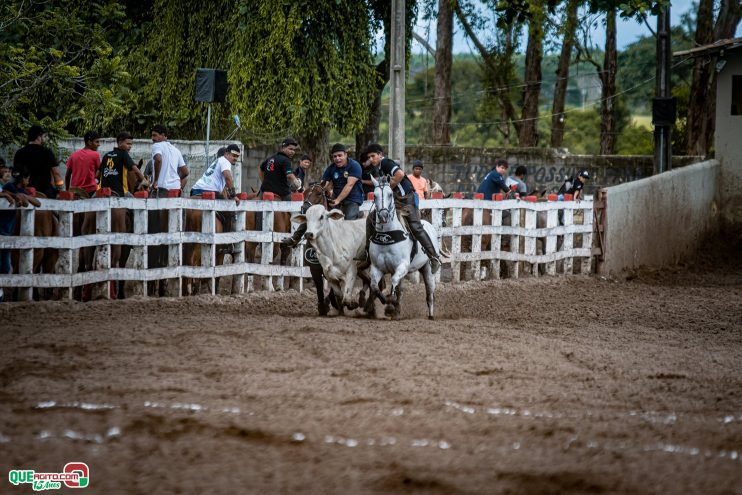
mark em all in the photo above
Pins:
pixel 211 85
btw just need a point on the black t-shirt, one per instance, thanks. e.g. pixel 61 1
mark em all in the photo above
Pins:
pixel 113 167
pixel 39 161
pixel 276 169
pixel 577 185
pixel 366 174
pixel 389 167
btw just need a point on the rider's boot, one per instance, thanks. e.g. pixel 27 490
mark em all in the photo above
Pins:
pixel 294 239
pixel 427 245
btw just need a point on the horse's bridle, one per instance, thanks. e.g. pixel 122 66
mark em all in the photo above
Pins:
pixel 312 187
pixel 381 185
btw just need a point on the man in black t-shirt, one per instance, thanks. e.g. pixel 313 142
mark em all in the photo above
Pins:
pixel 404 193
pixel 276 174
pixel 115 165
pixel 305 163
pixel 40 163
pixel 368 171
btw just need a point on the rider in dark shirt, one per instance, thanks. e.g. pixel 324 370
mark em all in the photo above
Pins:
pixel 494 181
pixel 368 171
pixel 577 185
pixel 276 174
pixel 404 193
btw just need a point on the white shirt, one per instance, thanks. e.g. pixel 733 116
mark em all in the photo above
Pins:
pixel 172 160
pixel 213 178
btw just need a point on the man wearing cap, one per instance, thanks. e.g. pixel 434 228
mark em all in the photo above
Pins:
pixel 494 181
pixel 171 171
pixel 404 193
pixel 305 163
pixel 83 165
pixel 419 182
pixel 276 174
pixel 343 178
pixel 40 162
pixel 578 185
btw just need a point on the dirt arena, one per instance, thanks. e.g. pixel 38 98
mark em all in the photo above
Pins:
pixel 576 385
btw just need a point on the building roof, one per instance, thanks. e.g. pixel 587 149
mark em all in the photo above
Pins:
pixel 712 49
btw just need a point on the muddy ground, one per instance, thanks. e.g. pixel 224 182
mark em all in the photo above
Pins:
pixel 551 385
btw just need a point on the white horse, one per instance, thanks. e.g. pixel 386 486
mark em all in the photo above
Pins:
pixel 390 251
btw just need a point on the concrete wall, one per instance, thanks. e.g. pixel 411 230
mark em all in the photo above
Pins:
pixel 660 220
pixel 728 140
pixel 460 169
pixel 193 154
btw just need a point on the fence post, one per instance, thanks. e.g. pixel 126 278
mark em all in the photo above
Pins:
pixel 530 239
pixel 103 253
pixel 456 245
pixel 436 219
pixel 238 281
pixel 175 251
pixel 25 261
pixel 514 266
pixel 551 239
pixel 140 252
pixel 496 243
pixel 476 240
pixel 587 240
pixel 266 252
pixel 208 251
pixel 568 239
pixel 64 263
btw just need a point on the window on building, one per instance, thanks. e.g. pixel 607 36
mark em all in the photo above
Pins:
pixel 736 95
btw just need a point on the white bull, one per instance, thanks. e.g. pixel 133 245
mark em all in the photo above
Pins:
pixel 336 242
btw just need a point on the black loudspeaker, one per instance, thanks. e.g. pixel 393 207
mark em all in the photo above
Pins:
pixel 211 85
pixel 663 111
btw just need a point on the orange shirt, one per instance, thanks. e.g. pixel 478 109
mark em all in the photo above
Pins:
pixel 420 185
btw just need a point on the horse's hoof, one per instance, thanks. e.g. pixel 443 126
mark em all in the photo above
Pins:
pixel 431 317
pixel 323 310
pixel 389 310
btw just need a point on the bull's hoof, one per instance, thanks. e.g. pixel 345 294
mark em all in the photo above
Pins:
pixel 362 299
pixel 389 310
pixel 431 317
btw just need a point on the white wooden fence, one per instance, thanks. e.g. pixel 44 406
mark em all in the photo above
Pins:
pixel 531 241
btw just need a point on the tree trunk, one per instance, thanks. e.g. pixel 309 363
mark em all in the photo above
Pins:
pixel 528 135
pixel 699 89
pixel 443 62
pixel 608 78
pixel 370 132
pixel 562 73
pixel 317 146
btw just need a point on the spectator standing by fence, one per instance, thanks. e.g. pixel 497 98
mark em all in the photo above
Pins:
pixel 171 170
pixel 40 162
pixel 419 182
pixel 83 165
pixel 116 165
pixel 518 180
pixel 276 174
pixel 305 163
pixel 494 181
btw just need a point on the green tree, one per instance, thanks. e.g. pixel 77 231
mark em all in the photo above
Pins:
pixel 59 66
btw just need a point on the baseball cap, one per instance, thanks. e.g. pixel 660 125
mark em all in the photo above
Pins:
pixel 374 148
pixel 337 147
pixel 417 163
pixel 585 174
pixel 289 142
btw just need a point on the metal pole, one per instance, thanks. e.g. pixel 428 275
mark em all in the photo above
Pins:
pixel 208 133
pixel 663 93
pixel 397 79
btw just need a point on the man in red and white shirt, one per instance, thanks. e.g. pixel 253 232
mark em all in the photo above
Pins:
pixel 83 165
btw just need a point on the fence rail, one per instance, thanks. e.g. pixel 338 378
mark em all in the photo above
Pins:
pixel 503 238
